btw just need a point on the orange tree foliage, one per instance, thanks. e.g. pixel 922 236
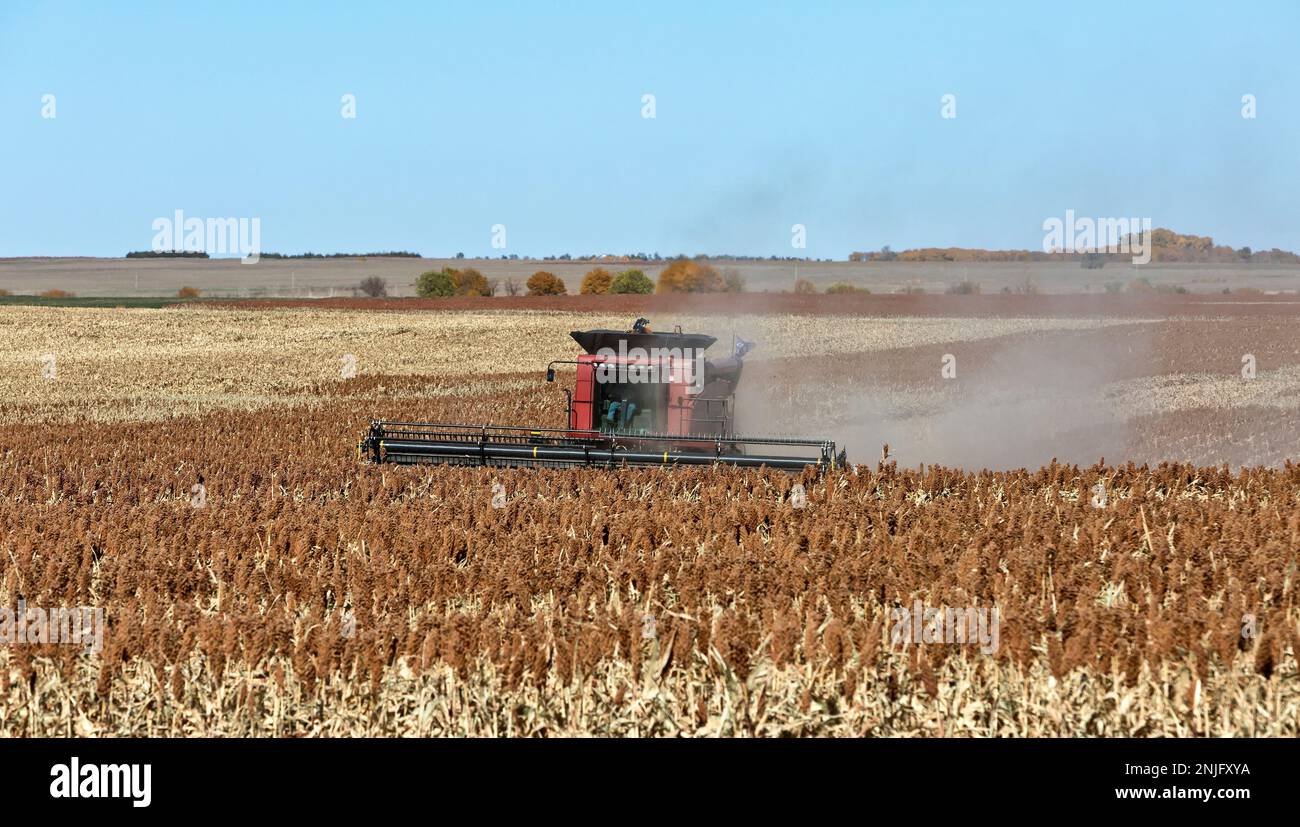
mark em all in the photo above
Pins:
pixel 687 276
pixel 596 282
pixel 470 282
pixel 543 283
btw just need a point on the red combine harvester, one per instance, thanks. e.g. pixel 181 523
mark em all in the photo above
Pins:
pixel 640 398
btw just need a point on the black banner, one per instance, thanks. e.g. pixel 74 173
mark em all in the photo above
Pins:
pixel 226 777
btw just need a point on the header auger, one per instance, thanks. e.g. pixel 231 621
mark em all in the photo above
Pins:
pixel 639 398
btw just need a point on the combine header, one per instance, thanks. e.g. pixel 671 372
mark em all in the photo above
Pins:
pixel 640 398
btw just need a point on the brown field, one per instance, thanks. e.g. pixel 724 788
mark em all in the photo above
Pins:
pixel 310 594
pixel 1150 305
pixel 307 278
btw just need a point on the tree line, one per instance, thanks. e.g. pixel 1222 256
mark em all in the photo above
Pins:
pixel 1166 245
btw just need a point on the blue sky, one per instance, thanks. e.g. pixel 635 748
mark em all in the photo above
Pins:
pixel 530 115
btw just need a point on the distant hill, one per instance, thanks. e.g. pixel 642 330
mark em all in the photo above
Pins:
pixel 1166 245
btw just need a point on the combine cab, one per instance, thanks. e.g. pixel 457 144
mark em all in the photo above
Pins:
pixel 639 398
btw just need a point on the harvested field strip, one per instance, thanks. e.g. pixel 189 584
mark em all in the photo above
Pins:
pixel 156 363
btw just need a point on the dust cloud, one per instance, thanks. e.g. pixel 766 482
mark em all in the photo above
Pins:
pixel 1016 401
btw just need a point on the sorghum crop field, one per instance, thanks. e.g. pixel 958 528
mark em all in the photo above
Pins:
pixel 193 472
